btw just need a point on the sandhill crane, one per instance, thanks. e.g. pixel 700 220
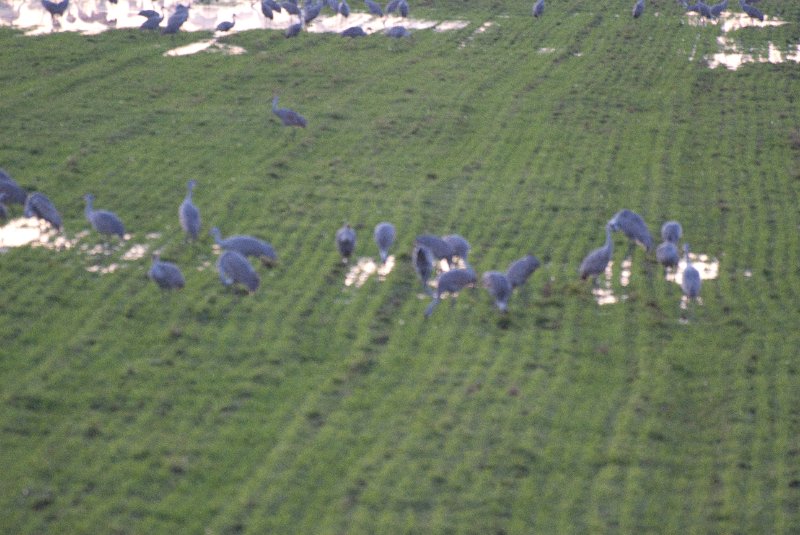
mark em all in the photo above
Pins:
pixel 103 221
pixel 288 116
pixel 499 287
pixel 452 281
pixel 14 193
pixel 247 246
pixel 519 270
pixel 234 268
pixel 458 245
pixel 384 238
pixel 188 214
pixel 596 261
pixel 633 226
pixel 38 205
pixel 166 274
pixel 346 241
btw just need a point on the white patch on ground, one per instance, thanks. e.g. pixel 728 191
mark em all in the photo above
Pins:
pixel 602 292
pixel 33 232
pixel 707 267
pixel 212 45
pixel 481 29
pixel 360 273
pixel 730 55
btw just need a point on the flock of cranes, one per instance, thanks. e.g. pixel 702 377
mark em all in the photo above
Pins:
pixel 449 251
pixel 311 9
pixel 429 250
pixel 305 14
pixel 701 8
pixel 633 226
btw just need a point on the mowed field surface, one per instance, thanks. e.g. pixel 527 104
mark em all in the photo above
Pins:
pixel 315 407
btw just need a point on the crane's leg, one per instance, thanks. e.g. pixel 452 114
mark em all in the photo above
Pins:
pixel 431 307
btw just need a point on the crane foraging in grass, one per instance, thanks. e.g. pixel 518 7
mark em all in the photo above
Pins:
pixel 633 226
pixel 166 274
pixel 14 193
pixel 439 248
pixel 103 221
pixel 596 261
pixel 519 270
pixel 287 116
pixel 498 285
pixel 346 242
pixel 452 281
pixel 38 205
pixel 671 231
pixel 459 245
pixel 422 258
pixel 384 238
pixel 638 9
pixel 234 268
pixel 667 255
pixel 247 246
pixel 538 8
pixel 690 279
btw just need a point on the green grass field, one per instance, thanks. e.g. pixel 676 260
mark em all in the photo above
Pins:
pixel 311 407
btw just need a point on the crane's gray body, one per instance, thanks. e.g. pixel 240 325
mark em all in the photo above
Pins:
pixel 166 274
pixel 234 268
pixel 247 246
pixel 452 281
pixel 384 238
pixel 188 214
pixel 596 261
pixel 14 193
pixel 103 221
pixel 346 241
pixel 633 226
pixel 520 270
pixel 38 205
pixel 499 287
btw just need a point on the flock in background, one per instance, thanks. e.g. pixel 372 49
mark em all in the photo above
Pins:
pixel 311 9
pixel 305 14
